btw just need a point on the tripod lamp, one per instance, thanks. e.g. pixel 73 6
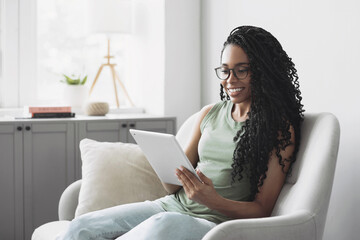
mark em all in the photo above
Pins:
pixel 111 17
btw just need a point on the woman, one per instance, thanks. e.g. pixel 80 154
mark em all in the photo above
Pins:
pixel 242 148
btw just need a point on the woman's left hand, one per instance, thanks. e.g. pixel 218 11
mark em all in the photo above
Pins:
pixel 201 192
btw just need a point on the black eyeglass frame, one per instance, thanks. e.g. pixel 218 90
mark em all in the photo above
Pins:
pixel 234 73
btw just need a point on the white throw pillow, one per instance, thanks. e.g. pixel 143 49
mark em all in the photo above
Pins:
pixel 114 174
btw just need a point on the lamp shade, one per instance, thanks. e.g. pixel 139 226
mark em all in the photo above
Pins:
pixel 110 16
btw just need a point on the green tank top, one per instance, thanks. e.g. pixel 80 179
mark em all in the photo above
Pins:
pixel 216 148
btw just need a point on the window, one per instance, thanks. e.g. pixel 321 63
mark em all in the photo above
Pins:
pixel 43 39
pixel 52 38
pixel 9 53
pixel 1 36
pixel 65 45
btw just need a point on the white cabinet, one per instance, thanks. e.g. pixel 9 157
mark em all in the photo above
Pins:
pixel 118 130
pixel 40 158
pixel 49 166
pixel 11 182
pixel 37 163
pixel 110 131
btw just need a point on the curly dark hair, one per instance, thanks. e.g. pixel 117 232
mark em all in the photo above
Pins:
pixel 275 106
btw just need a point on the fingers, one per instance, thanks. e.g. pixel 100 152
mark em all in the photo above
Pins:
pixel 190 178
pixel 189 182
pixel 203 178
pixel 183 178
pixel 189 174
pixel 187 177
pixel 197 190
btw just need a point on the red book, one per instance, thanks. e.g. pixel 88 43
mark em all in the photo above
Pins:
pixel 60 109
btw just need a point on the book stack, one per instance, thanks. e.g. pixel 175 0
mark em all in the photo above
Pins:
pixel 51 112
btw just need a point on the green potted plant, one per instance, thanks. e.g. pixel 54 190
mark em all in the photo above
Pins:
pixel 73 80
pixel 75 91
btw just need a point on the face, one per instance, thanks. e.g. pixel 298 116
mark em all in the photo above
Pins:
pixel 235 58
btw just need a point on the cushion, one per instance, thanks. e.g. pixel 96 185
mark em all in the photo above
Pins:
pixel 113 174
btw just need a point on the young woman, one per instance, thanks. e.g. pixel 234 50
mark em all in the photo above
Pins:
pixel 242 148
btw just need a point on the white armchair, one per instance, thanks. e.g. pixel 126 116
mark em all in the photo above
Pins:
pixel 300 211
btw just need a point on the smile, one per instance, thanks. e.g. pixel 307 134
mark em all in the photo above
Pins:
pixel 232 90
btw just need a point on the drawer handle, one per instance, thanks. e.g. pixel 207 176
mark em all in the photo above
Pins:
pixel 27 128
pixel 124 125
pixel 132 125
pixel 19 128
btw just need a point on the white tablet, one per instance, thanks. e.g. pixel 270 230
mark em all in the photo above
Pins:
pixel 164 154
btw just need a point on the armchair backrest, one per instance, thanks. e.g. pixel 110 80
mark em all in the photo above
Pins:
pixel 184 132
pixel 309 185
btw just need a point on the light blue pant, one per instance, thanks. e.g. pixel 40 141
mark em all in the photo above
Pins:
pixel 144 220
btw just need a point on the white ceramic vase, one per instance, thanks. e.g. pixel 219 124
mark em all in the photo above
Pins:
pixel 75 96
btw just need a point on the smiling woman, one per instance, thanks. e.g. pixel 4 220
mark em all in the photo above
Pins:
pixel 242 148
pixel 273 110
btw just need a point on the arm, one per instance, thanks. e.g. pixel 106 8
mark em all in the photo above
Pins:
pixel 69 201
pixel 264 201
pixel 299 224
pixel 191 148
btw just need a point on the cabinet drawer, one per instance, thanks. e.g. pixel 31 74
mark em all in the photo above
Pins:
pixel 101 126
pixel 49 127
pixel 156 126
pixel 6 128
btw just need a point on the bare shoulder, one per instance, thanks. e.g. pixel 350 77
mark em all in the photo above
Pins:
pixel 205 110
pixel 191 149
pixel 201 115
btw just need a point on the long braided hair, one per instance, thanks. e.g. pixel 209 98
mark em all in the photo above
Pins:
pixel 275 106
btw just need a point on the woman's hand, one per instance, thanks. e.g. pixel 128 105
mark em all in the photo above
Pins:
pixel 202 191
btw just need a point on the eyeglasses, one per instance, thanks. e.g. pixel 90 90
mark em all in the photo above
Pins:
pixel 240 72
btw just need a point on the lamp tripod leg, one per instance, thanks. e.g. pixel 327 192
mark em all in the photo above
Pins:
pixel 114 82
pixel 96 78
pixel 124 90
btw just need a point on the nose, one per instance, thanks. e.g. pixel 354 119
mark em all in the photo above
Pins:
pixel 232 77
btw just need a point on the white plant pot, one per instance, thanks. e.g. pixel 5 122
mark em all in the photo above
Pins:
pixel 75 96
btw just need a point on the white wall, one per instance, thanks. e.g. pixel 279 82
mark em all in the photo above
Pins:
pixel 167 56
pixel 323 38
pixel 182 58
pixel 149 55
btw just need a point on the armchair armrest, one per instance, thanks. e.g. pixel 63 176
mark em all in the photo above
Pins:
pixel 294 226
pixel 69 201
